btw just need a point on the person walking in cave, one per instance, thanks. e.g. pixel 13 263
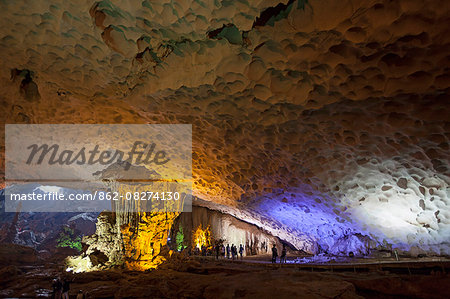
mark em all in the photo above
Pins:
pixel 274 254
pixel 241 250
pixel 222 251
pixel 228 251
pixel 233 251
pixel 217 248
pixel 57 288
pixel 65 288
pixel 283 255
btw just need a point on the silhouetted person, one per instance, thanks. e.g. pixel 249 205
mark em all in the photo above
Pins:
pixel 217 251
pixel 274 254
pixel 228 251
pixel 57 288
pixel 233 251
pixel 65 288
pixel 241 250
pixel 283 255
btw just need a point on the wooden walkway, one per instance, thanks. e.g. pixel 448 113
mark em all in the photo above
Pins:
pixel 423 266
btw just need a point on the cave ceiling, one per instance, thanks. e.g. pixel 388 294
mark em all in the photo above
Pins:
pixel 314 119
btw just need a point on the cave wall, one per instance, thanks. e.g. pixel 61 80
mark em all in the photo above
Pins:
pixel 226 228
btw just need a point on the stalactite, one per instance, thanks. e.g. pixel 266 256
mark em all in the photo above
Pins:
pixel 144 232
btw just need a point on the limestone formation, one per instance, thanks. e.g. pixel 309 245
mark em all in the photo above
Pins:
pixel 323 122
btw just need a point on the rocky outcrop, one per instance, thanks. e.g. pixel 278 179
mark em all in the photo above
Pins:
pixel 41 231
pixel 14 254
pixel 140 243
pixel 105 242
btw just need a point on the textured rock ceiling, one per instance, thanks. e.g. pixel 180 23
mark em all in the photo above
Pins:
pixel 314 119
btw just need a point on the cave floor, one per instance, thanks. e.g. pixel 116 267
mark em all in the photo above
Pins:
pixel 404 265
pixel 201 277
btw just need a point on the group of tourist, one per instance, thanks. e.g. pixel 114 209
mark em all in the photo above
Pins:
pixel 275 254
pixel 232 251
pixel 61 287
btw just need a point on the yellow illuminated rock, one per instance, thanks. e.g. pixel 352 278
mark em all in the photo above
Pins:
pixel 202 237
pixel 144 244
pixel 144 234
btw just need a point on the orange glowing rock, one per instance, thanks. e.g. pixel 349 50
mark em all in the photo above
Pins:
pixel 144 244
pixel 144 234
pixel 202 238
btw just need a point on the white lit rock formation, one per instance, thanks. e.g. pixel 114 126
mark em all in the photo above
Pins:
pixel 324 122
